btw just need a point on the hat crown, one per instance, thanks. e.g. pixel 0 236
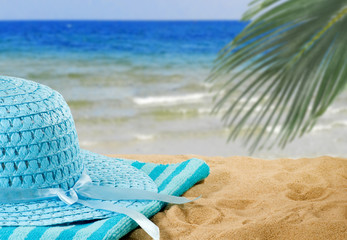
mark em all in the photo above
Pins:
pixel 38 140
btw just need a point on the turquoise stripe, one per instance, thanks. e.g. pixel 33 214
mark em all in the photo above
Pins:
pixel 71 232
pixel 119 230
pixel 157 171
pixel 107 225
pixel 36 233
pixel 181 178
pixel 161 178
pixel 170 171
pixel 179 169
pixel 6 232
pixel 84 233
pixel 53 232
pixel 148 168
pixel 138 165
pixel 199 174
pixel 110 223
pixel 171 178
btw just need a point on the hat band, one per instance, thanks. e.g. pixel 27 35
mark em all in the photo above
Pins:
pixel 86 193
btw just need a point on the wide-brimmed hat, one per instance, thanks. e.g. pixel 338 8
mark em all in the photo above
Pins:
pixel 46 179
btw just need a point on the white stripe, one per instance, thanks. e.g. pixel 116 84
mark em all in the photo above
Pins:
pixel 84 233
pixel 181 178
pixel 160 179
pixel 148 168
pixel 20 233
pixel 164 175
pixel 54 232
pixel 115 231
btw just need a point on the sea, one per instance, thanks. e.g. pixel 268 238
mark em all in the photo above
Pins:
pixel 139 87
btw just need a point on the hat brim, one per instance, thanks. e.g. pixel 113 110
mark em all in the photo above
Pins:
pixel 103 171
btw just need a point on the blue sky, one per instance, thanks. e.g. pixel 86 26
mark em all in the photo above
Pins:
pixel 122 9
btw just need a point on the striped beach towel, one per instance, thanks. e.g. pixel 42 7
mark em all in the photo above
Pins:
pixel 172 179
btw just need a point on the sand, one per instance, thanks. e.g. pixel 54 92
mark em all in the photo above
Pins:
pixel 246 198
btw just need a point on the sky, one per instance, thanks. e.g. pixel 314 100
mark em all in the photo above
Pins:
pixel 122 9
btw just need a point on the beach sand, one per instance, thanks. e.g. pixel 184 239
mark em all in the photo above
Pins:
pixel 246 198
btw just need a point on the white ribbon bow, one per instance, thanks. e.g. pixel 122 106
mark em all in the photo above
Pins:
pixel 93 196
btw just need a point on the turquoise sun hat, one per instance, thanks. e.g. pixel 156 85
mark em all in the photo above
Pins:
pixel 46 179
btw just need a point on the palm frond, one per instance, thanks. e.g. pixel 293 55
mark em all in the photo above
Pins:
pixel 292 57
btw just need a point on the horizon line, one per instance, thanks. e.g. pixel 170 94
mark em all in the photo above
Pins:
pixel 120 20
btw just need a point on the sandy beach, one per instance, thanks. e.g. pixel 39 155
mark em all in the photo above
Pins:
pixel 178 77
pixel 247 198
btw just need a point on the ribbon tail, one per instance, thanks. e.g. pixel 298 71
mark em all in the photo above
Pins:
pixel 149 227
pixel 114 194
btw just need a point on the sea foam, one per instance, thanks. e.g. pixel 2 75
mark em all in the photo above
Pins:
pixel 172 100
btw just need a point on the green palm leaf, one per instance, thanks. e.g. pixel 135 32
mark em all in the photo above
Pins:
pixel 289 64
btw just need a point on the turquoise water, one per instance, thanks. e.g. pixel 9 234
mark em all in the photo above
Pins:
pixel 96 64
pixel 139 87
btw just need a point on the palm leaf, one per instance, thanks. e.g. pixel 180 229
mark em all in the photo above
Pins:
pixel 292 58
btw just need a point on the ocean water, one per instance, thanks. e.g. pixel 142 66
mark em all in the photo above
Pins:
pixel 139 87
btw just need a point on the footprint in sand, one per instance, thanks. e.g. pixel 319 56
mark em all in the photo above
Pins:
pixel 302 186
pixel 333 209
pixel 198 214
pixel 304 192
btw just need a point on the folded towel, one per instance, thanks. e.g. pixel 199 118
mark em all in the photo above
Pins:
pixel 172 179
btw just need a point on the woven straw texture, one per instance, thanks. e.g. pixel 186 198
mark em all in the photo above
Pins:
pixel 172 179
pixel 102 172
pixel 39 149
pixel 38 141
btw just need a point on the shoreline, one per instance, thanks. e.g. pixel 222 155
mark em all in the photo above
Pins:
pixel 122 140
